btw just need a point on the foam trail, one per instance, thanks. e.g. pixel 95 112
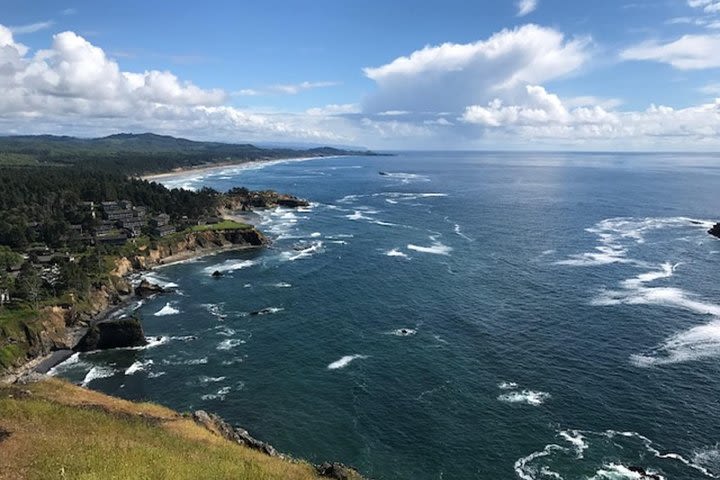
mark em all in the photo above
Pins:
pixel 396 253
pixel 168 309
pixel 345 361
pixel 458 231
pixel 436 248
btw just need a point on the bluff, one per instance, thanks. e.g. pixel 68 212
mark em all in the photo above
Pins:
pixel 28 335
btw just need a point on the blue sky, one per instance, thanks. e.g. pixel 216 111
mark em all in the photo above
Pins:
pixel 525 74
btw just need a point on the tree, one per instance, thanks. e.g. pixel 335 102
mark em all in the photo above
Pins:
pixel 29 284
pixel 8 258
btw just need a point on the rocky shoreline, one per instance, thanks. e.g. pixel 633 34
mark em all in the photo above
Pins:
pixel 64 330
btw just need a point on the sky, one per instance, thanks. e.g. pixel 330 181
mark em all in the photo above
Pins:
pixel 402 74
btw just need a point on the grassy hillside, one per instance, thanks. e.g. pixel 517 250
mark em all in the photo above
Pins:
pixel 55 430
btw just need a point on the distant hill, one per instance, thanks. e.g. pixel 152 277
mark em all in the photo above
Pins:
pixel 141 153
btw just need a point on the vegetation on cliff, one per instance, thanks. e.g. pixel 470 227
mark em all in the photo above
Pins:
pixel 52 429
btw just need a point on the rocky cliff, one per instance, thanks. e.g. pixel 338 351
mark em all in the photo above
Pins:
pixel 62 327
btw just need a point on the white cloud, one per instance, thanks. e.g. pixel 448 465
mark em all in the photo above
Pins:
pixel 542 116
pixel 710 89
pixel 284 89
pixel 334 109
pixel 689 52
pixel 31 28
pixel 450 76
pixel 74 85
pixel 526 6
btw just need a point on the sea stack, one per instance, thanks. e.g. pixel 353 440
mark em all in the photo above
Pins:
pixel 715 230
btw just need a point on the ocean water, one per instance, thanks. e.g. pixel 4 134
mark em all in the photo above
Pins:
pixel 467 316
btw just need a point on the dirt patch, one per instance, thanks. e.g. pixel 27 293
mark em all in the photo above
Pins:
pixel 4 434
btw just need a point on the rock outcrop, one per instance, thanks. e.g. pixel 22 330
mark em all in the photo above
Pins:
pixel 146 289
pixel 715 230
pixel 123 332
pixel 245 200
pixel 220 427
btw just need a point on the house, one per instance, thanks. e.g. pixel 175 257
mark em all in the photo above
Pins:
pixel 163 230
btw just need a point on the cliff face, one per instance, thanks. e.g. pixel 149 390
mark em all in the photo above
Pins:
pixel 59 328
pixel 192 244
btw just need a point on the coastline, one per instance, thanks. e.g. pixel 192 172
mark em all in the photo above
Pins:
pixel 55 358
pixel 249 165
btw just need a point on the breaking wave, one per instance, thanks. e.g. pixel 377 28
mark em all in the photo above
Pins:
pixel 96 373
pixel 168 309
pixel 436 248
pixel 345 361
pixel 229 266
pixel 530 397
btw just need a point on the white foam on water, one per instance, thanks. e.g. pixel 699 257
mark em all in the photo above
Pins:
pixel 153 342
pixel 160 281
pixel 391 201
pixel 138 366
pixel 458 231
pixel 193 361
pixel 617 235
pixel 315 234
pixel 437 248
pixel 219 395
pixel 577 440
pixel 403 332
pixel 282 285
pixel 205 380
pixel 358 215
pixel 345 361
pixel 168 309
pixel 73 359
pixel 406 177
pixel 708 458
pixel 695 344
pixel 230 343
pixel 613 471
pixel 529 397
pixel 396 253
pixel 312 249
pixel 507 385
pixel 156 374
pixel 96 373
pixel 631 445
pixel 229 266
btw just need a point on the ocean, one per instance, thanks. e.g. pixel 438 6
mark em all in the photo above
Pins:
pixel 461 316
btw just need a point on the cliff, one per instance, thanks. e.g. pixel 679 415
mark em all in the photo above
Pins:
pixel 27 335
pixel 52 429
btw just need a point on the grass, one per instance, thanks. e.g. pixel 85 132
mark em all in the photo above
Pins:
pixel 224 225
pixel 13 344
pixel 58 430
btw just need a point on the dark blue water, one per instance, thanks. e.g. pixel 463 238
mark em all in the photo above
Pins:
pixel 489 316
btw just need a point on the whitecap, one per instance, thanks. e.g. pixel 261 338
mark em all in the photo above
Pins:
pixel 345 361
pixel 205 379
pixel 507 385
pixel 696 343
pixel 160 281
pixel 315 234
pixel 458 231
pixel 230 343
pixel 96 373
pixel 168 309
pixel 282 285
pixel 309 251
pixel 403 332
pixel 138 366
pixel 396 253
pixel 229 266
pixel 219 395
pixel 530 397
pixel 437 248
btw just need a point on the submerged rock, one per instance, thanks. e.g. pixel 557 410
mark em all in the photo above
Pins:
pixel 147 289
pixel 124 332
pixel 217 274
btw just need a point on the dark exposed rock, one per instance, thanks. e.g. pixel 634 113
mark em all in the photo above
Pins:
pixel 645 475
pixel 217 274
pixel 715 230
pixel 147 289
pixel 337 471
pixel 4 434
pixel 124 332
pixel 216 424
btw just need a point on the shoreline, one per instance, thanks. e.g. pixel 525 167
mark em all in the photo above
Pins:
pixel 56 357
pixel 249 165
